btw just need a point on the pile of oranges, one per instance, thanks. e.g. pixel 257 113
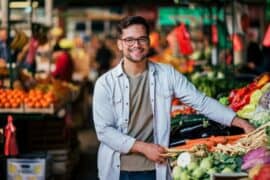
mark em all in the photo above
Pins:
pixel 38 99
pixel 33 99
pixel 11 98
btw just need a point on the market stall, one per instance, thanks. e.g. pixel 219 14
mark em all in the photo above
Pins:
pixel 41 119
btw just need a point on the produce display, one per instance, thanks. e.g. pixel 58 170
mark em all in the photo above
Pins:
pixel 201 158
pixel 38 99
pixel 11 98
pixel 253 140
pixel 246 154
pixel 43 97
pixel 251 102
pixel 215 82
pixel 190 166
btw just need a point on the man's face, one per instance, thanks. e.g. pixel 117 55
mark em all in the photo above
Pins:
pixel 134 43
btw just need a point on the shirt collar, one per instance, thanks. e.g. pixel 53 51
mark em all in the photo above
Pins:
pixel 119 71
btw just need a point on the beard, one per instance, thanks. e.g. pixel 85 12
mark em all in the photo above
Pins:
pixel 128 56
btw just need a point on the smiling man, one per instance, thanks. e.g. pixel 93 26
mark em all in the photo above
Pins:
pixel 132 105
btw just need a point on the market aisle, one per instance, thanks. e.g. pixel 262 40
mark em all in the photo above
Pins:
pixel 87 166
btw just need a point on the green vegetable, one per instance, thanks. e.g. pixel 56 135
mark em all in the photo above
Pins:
pixel 206 163
pixel 265 88
pixel 247 111
pixel 184 175
pixel 224 101
pixel 198 173
pixel 255 97
pixel 227 170
pixel 192 166
pixel 212 171
pixel 176 172
pixel 260 118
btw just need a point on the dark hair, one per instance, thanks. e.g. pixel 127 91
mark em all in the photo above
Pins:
pixel 132 20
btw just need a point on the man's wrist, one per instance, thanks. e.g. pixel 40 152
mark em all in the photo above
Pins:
pixel 138 147
pixel 237 122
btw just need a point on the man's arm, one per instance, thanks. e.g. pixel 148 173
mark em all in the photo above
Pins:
pixel 151 151
pixel 105 120
pixel 241 123
pixel 210 107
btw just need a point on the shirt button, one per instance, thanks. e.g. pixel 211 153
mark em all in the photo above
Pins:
pixel 126 120
pixel 118 166
pixel 126 103
pixel 126 87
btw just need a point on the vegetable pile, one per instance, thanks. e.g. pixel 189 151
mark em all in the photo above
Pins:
pixel 252 102
pixel 191 166
pixel 253 140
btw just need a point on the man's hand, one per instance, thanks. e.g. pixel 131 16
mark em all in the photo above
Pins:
pixel 151 151
pixel 241 123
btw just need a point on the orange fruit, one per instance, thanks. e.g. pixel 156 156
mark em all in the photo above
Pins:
pixel 37 105
pixel 14 105
pixel 7 105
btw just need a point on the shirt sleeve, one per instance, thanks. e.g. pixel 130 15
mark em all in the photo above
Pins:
pixel 105 121
pixel 207 106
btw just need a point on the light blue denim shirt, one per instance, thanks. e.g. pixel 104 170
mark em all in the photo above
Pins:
pixel 111 113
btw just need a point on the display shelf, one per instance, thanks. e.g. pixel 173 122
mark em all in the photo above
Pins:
pixel 50 110
pixel 12 110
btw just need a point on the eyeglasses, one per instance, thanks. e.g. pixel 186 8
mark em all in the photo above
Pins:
pixel 131 41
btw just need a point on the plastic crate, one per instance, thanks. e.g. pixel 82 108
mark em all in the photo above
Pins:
pixel 30 166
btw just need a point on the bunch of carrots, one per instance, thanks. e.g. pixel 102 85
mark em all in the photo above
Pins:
pixel 210 142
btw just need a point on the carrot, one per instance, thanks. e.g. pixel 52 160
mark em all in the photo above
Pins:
pixel 235 137
pixel 180 148
pixel 218 139
pixel 196 141
pixel 210 142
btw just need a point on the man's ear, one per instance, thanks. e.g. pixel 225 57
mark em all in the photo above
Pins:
pixel 119 45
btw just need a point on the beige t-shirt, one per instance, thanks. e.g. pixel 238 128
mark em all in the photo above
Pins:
pixel 140 123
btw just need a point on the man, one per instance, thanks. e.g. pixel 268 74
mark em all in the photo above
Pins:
pixel 3 46
pixel 132 105
pixel 63 62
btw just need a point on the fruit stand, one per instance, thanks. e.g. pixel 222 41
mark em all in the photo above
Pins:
pixel 40 115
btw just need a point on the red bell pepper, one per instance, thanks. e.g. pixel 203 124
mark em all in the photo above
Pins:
pixel 264 173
